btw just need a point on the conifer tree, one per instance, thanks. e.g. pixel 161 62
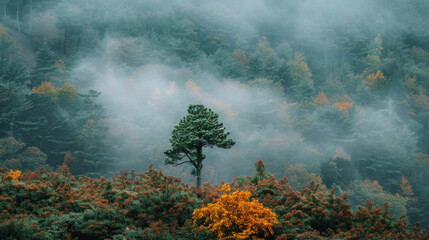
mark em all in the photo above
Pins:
pixel 13 92
pixel 197 130
pixel 45 68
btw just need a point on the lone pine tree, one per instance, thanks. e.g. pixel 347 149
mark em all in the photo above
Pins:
pixel 200 128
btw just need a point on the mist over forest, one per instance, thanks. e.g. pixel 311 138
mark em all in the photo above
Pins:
pixel 332 91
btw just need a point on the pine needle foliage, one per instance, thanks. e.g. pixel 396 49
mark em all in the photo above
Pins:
pixel 150 205
pixel 200 128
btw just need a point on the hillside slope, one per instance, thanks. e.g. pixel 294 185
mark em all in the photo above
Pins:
pixel 23 53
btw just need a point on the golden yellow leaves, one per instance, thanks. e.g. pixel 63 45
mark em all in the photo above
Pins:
pixel 12 175
pixel 235 216
pixel 67 93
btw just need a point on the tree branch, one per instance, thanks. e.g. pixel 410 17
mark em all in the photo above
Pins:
pixel 190 160
pixel 178 164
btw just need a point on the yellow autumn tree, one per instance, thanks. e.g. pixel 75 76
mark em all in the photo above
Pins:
pixel 15 175
pixel 12 175
pixel 235 216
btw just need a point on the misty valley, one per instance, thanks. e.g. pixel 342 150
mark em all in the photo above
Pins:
pixel 196 119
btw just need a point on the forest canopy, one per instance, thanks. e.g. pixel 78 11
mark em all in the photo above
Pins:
pixel 332 92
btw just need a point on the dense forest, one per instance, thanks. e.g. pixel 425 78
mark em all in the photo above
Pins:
pixel 329 94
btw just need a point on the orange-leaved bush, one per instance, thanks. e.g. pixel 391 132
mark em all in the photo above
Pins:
pixel 235 216
pixel 47 88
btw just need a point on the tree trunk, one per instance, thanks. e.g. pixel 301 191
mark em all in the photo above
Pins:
pixel 199 165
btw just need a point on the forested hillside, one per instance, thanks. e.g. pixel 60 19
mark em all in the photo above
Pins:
pixel 332 92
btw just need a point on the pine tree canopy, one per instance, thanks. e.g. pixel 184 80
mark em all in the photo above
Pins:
pixel 200 128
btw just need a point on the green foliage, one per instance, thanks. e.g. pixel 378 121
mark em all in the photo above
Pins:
pixel 267 46
pixel 13 155
pixel 155 206
pixel 337 171
pixel 147 206
pixel 46 68
pixel 360 191
pixel 13 91
pixel 66 94
pixel 300 178
pixel 200 128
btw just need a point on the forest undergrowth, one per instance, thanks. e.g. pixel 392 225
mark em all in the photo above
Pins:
pixel 55 205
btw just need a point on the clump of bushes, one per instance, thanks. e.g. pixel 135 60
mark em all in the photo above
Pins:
pixel 55 205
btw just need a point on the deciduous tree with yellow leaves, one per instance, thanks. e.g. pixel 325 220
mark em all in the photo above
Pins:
pixel 235 216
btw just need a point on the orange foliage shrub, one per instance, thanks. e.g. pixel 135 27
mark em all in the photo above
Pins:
pixel 46 88
pixel 234 216
pixel 321 99
pixel 375 80
pixel 344 106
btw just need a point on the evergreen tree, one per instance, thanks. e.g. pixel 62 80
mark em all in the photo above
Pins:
pixel 197 130
pixel 45 68
pixel 13 93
